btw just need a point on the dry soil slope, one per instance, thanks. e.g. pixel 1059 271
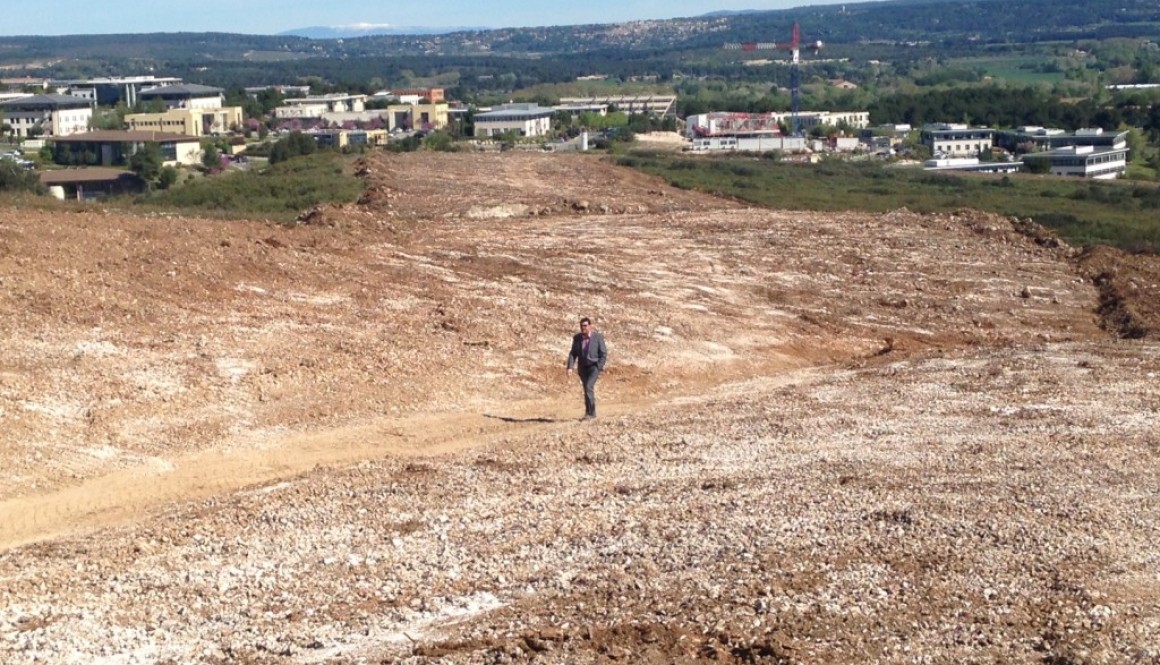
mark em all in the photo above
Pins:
pixel 130 340
pixel 437 310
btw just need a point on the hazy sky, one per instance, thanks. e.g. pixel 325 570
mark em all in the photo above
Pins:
pixel 263 17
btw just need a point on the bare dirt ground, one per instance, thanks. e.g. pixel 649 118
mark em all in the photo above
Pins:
pixel 823 438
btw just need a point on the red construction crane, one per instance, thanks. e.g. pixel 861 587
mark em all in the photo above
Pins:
pixel 794 47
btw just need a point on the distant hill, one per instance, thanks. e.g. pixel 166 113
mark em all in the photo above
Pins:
pixel 731 12
pixel 887 30
pixel 369 30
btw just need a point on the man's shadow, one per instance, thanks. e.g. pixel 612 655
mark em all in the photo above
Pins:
pixel 509 419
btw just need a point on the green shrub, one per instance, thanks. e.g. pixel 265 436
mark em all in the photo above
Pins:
pixel 296 144
pixel 167 178
pixel 15 178
pixel 281 191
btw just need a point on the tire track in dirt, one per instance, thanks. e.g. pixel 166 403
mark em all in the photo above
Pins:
pixel 133 494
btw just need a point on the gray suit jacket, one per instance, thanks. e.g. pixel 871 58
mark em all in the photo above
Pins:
pixel 597 350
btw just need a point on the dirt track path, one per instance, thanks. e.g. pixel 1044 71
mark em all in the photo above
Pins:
pixel 130 495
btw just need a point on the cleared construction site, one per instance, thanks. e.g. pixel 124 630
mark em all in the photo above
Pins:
pixel 823 438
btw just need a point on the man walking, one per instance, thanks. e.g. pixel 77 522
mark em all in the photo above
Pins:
pixel 588 355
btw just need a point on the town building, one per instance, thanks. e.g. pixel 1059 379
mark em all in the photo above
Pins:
pixel 1083 161
pixel 724 123
pixel 285 90
pixel 185 96
pixel 319 106
pixel 189 121
pixel 91 183
pixel 23 84
pixel 351 138
pixel 749 143
pixel 659 106
pixel 417 95
pixel 47 115
pixel 523 119
pixel 957 140
pixel 851 119
pixel 576 110
pixel 113 90
pixel 1040 139
pixel 425 117
pixel 114 148
pixel 418 116
pixel 970 164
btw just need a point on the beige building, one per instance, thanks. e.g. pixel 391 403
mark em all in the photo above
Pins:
pixel 413 95
pixel 425 117
pixel 188 121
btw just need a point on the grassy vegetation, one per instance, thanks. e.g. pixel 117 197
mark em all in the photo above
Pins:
pixel 1016 69
pixel 280 191
pixel 1138 170
pixel 1121 214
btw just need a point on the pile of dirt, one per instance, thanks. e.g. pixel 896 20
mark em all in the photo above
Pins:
pixel 1129 286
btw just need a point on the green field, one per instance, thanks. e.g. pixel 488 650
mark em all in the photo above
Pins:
pixel 1013 69
pixel 1122 214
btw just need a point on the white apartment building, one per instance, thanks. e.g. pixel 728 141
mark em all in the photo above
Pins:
pixel 1084 161
pixel 852 119
pixel 748 143
pixel 725 123
pixel 526 119
pixel 957 140
pixel 187 96
pixel 319 106
pixel 49 115
pixel 654 105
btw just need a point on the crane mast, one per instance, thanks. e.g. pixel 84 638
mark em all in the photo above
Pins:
pixel 794 47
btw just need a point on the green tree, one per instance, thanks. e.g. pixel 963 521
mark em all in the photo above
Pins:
pixel 167 177
pixel 147 162
pixel 1037 165
pixel 14 178
pixel 408 144
pixel 210 157
pixel 113 118
pixel 1136 143
pixel 270 99
pixel 294 145
pixel 440 141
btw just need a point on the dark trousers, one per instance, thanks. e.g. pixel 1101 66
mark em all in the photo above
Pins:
pixel 588 376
